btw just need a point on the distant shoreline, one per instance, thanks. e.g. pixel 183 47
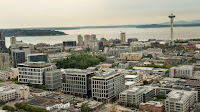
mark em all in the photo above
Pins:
pixel 24 33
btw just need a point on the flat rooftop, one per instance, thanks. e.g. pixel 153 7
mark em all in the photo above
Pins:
pixel 131 76
pixel 129 83
pixel 179 96
pixel 143 68
pixel 106 74
pixel 74 71
pixel 132 53
pixel 189 82
pixel 38 54
pixel 35 64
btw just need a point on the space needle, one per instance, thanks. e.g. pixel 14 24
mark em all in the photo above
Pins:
pixel 172 16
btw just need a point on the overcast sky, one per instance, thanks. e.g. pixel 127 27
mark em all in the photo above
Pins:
pixel 57 13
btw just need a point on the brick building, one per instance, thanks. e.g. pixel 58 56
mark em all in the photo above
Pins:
pixel 152 106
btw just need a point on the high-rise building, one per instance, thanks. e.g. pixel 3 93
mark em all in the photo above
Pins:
pixel 12 40
pixel 4 61
pixel 34 72
pixel 41 57
pixel 80 40
pixel 123 37
pixel 93 37
pixel 77 82
pixel 107 85
pixel 18 56
pixel 86 41
pixel 2 43
pixel 94 45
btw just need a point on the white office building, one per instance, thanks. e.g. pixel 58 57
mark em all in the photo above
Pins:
pixel 33 72
pixel 179 101
pixel 136 95
pixel 107 85
pixel 185 71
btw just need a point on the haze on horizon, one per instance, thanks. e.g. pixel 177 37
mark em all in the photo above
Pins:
pixel 69 13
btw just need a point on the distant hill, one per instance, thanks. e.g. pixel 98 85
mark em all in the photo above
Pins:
pixel 182 22
pixel 194 23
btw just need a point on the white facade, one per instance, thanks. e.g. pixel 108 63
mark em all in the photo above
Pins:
pixel 140 44
pixel 181 71
pixel 133 78
pixel 107 85
pixel 130 84
pixel 179 101
pixel 33 72
pixel 14 92
pixel 136 95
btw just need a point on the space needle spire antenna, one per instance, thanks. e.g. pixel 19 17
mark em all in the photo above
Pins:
pixel 172 16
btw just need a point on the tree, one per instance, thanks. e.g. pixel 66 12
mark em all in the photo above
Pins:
pixel 96 69
pixel 75 103
pixel 9 108
pixel 21 110
pixel 44 87
pixel 2 102
pixel 85 107
pixel 18 105
pixel 28 108
pixel 145 82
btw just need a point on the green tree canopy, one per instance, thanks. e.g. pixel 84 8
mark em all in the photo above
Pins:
pixel 85 107
pixel 81 61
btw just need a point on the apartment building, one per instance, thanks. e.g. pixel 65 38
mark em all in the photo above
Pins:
pixel 4 61
pixel 80 40
pixel 107 85
pixel 179 101
pixel 131 56
pixel 33 72
pixel 140 44
pixel 136 95
pixel 185 71
pixel 53 79
pixel 153 51
pixel 77 82
pixel 14 92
